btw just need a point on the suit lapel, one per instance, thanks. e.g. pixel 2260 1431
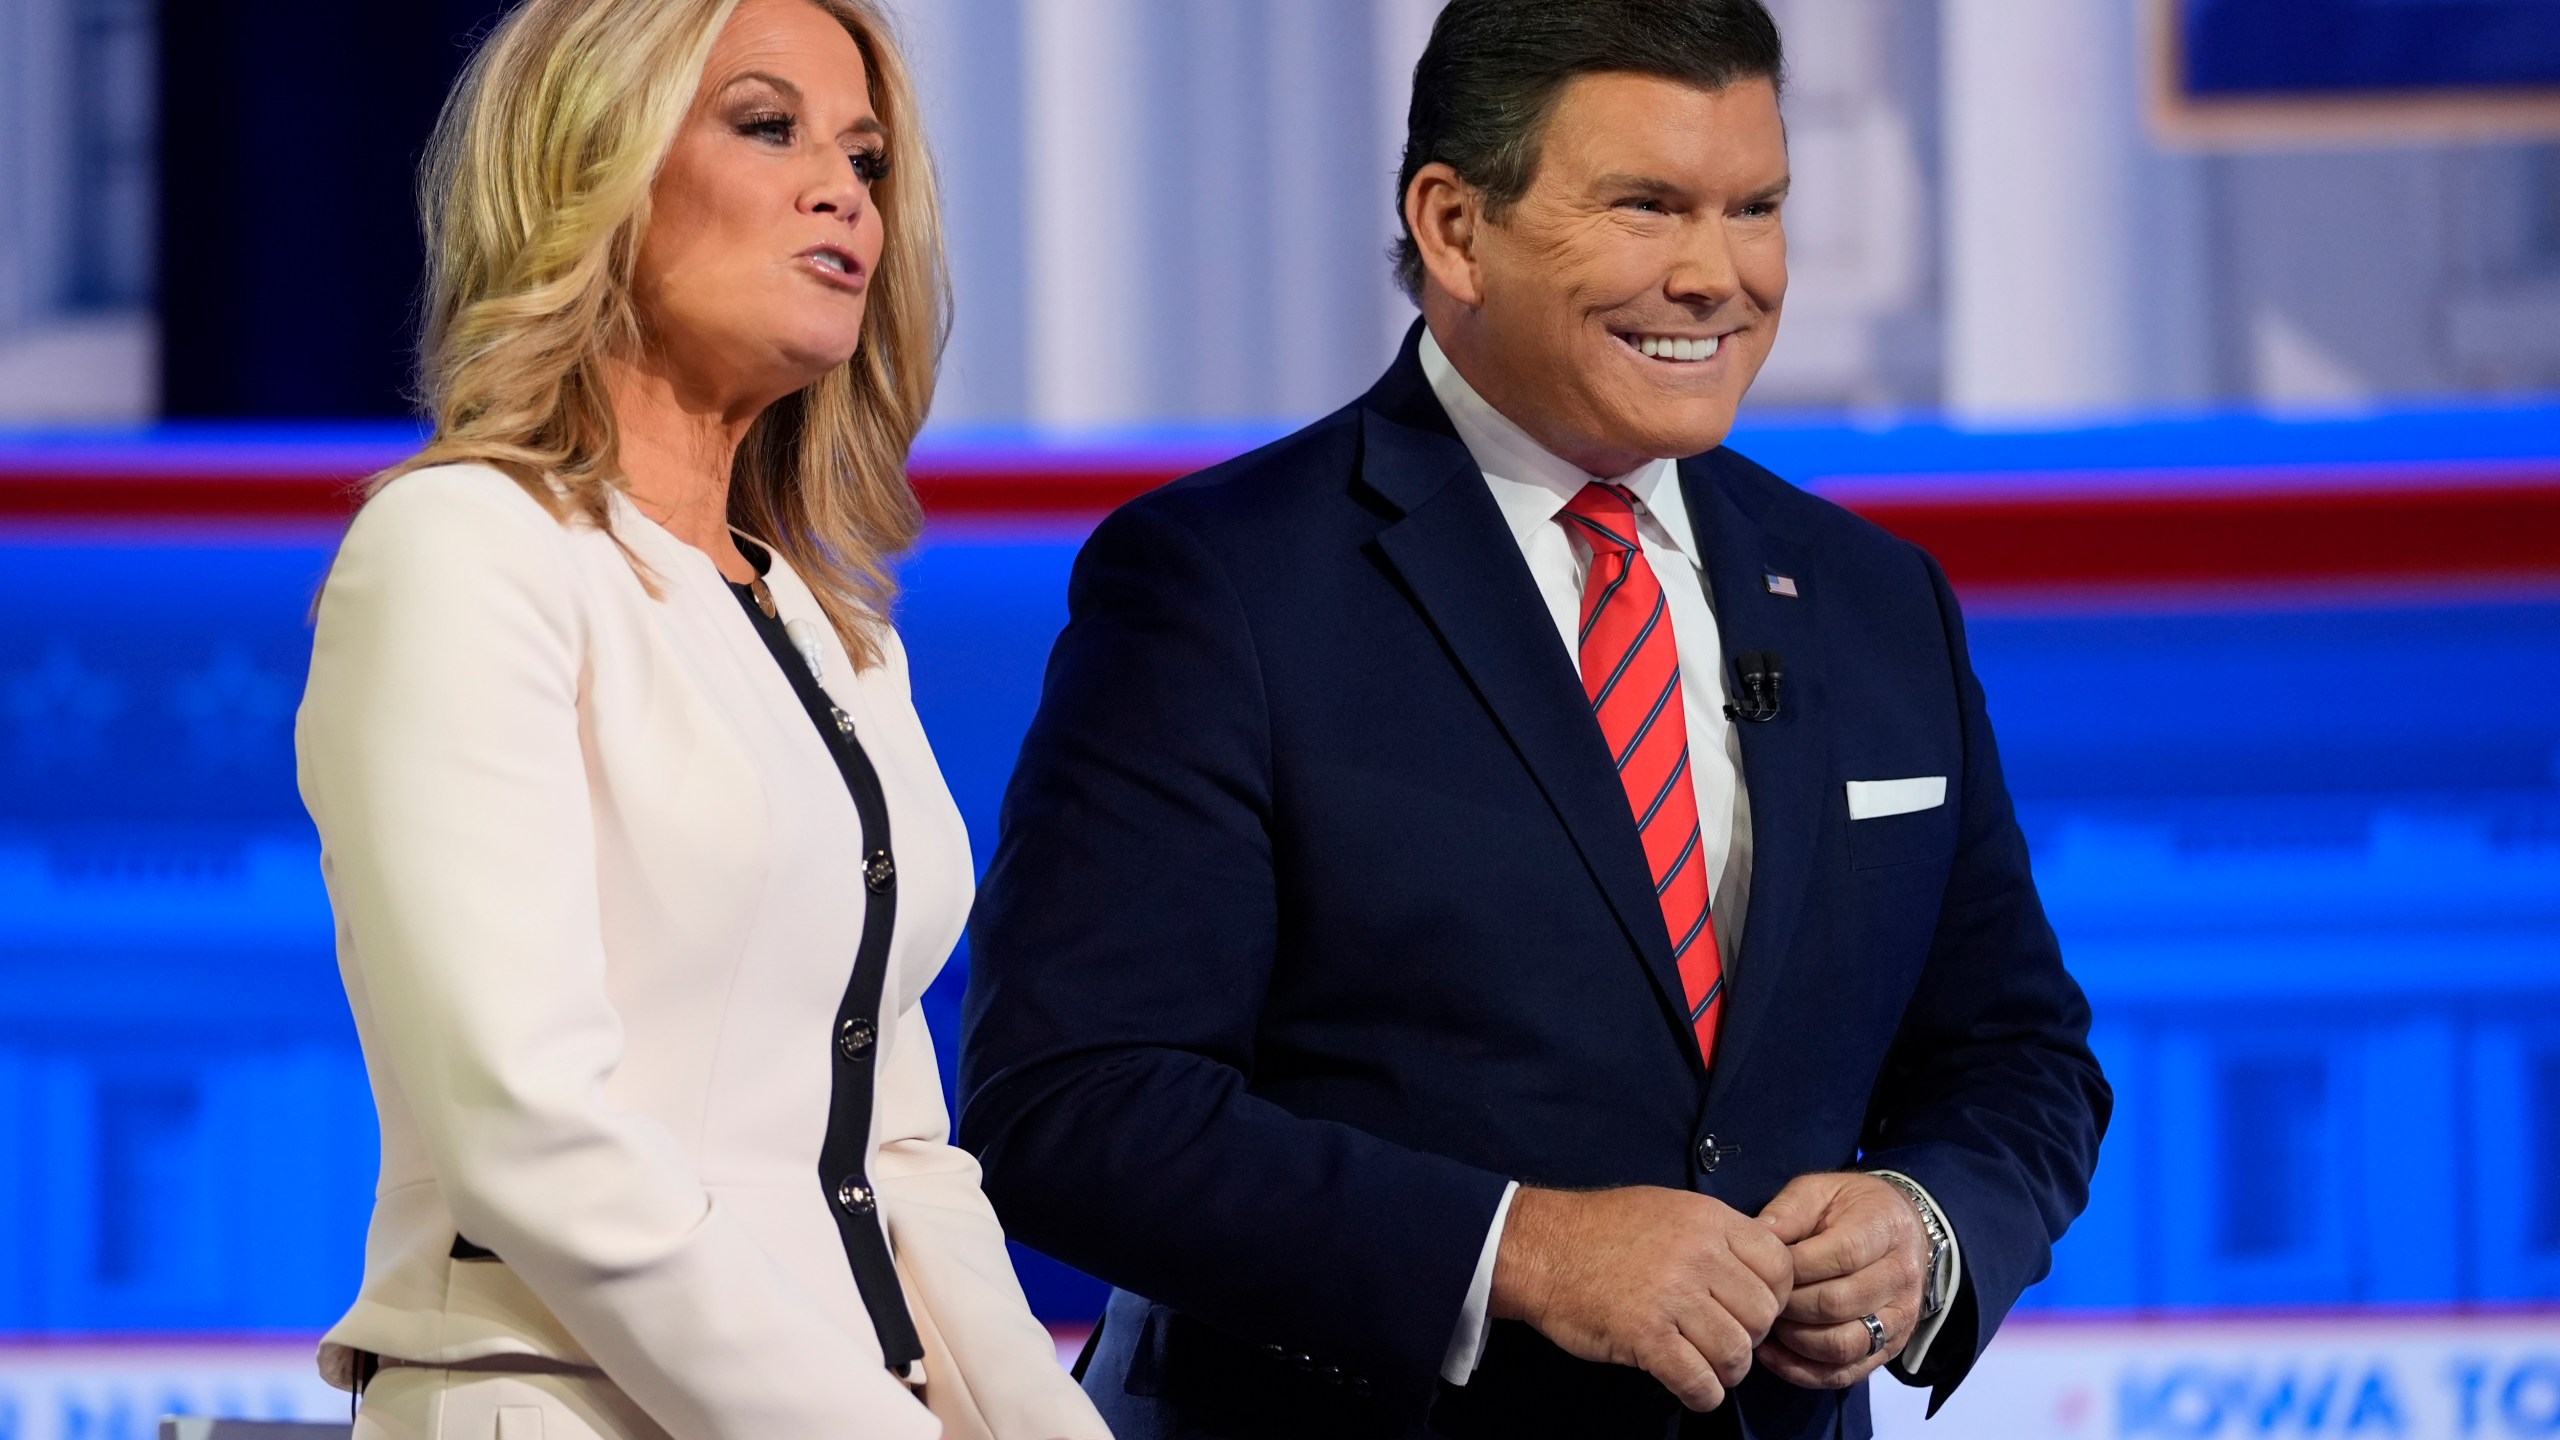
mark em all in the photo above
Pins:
pixel 1785 762
pixel 1456 555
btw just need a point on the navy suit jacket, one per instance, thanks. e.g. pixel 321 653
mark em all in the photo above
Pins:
pixel 1319 914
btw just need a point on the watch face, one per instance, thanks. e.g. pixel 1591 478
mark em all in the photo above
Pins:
pixel 1931 1302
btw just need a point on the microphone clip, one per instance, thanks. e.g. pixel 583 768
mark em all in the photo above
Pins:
pixel 1756 697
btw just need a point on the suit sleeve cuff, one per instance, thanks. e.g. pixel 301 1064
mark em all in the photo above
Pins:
pixel 1475 1317
pixel 1943 1285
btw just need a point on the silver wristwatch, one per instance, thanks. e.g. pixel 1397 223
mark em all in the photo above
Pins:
pixel 1941 1246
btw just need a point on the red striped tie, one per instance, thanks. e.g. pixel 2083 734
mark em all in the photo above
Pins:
pixel 1631 671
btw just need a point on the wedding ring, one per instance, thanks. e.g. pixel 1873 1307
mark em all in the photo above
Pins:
pixel 1875 1333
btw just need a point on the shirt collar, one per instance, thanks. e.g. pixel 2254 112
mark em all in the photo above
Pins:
pixel 1530 482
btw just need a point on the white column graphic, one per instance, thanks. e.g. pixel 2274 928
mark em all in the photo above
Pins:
pixel 1084 212
pixel 2039 154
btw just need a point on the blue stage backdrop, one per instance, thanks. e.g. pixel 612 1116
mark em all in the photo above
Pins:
pixel 2304 49
pixel 2303 849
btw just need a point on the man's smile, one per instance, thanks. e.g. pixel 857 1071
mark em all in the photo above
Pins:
pixel 1677 349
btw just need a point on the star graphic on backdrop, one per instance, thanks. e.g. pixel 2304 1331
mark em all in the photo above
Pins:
pixel 234 712
pixel 61 708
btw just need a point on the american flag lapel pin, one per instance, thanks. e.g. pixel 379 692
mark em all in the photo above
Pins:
pixel 1782 585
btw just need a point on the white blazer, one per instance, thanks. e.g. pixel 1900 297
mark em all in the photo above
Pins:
pixel 595 878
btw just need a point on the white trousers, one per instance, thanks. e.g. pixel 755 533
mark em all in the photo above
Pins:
pixel 415 1403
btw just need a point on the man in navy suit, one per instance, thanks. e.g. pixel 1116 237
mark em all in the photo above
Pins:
pixel 1502 932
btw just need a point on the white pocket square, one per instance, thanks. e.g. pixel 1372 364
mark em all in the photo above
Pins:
pixel 1869 799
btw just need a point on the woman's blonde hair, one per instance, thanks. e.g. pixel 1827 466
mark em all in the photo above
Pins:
pixel 535 193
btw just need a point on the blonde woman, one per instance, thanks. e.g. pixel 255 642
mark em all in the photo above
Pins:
pixel 639 856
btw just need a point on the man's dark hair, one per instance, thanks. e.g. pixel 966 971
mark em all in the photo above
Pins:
pixel 1491 74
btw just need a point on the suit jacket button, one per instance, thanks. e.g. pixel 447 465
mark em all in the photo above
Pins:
pixel 879 872
pixel 854 1037
pixel 1711 1154
pixel 854 1197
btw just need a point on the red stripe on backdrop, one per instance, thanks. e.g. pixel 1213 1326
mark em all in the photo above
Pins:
pixel 2079 529
pixel 2182 539
pixel 121 494
pixel 216 495
pixel 995 491
pixel 79 494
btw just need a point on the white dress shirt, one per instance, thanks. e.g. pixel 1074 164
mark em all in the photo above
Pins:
pixel 1532 485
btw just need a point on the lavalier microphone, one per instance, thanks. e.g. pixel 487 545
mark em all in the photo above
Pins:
pixel 1757 699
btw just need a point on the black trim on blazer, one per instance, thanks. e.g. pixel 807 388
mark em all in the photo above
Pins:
pixel 855 1036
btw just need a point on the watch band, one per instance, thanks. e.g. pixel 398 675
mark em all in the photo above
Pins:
pixel 1931 1300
